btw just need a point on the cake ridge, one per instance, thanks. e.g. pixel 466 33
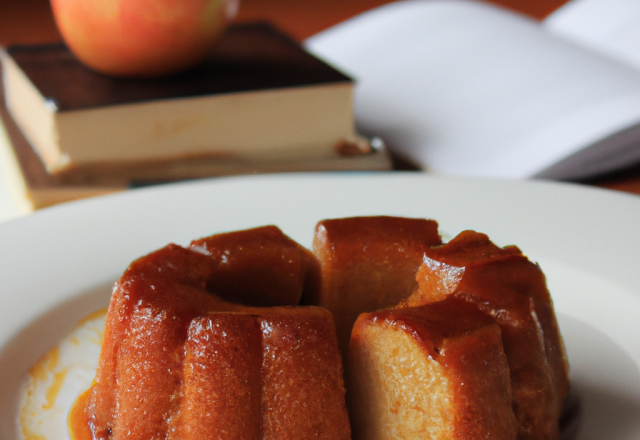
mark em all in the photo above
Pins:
pixel 159 307
pixel 505 285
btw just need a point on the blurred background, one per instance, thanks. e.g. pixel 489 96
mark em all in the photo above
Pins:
pixel 30 21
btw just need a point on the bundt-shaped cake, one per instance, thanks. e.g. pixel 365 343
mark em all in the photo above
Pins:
pixel 431 372
pixel 180 362
pixel 453 341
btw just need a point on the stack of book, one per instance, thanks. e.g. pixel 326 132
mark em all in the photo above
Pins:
pixel 259 103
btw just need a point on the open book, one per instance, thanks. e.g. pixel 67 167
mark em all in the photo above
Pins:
pixel 466 88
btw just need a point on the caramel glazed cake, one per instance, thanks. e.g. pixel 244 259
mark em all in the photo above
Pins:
pixel 242 336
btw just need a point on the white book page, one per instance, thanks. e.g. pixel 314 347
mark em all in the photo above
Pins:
pixel 465 88
pixel 610 26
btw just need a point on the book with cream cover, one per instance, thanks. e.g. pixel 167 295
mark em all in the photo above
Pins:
pixel 258 95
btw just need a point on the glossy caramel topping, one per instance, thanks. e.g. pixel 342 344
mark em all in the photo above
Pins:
pixel 443 266
pixel 259 267
pixel 368 263
pixel 503 284
pixel 431 324
pixel 469 247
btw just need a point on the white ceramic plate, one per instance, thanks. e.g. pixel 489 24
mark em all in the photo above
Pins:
pixel 57 266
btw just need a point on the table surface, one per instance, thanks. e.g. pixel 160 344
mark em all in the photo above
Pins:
pixel 31 22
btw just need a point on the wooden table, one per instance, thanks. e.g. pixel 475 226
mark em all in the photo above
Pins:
pixel 31 21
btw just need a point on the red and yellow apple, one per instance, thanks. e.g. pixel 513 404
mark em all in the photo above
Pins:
pixel 141 37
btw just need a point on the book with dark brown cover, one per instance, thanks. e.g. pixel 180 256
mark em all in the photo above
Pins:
pixel 252 56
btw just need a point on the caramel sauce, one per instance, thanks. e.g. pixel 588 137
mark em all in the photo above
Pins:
pixel 39 372
pixel 79 418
